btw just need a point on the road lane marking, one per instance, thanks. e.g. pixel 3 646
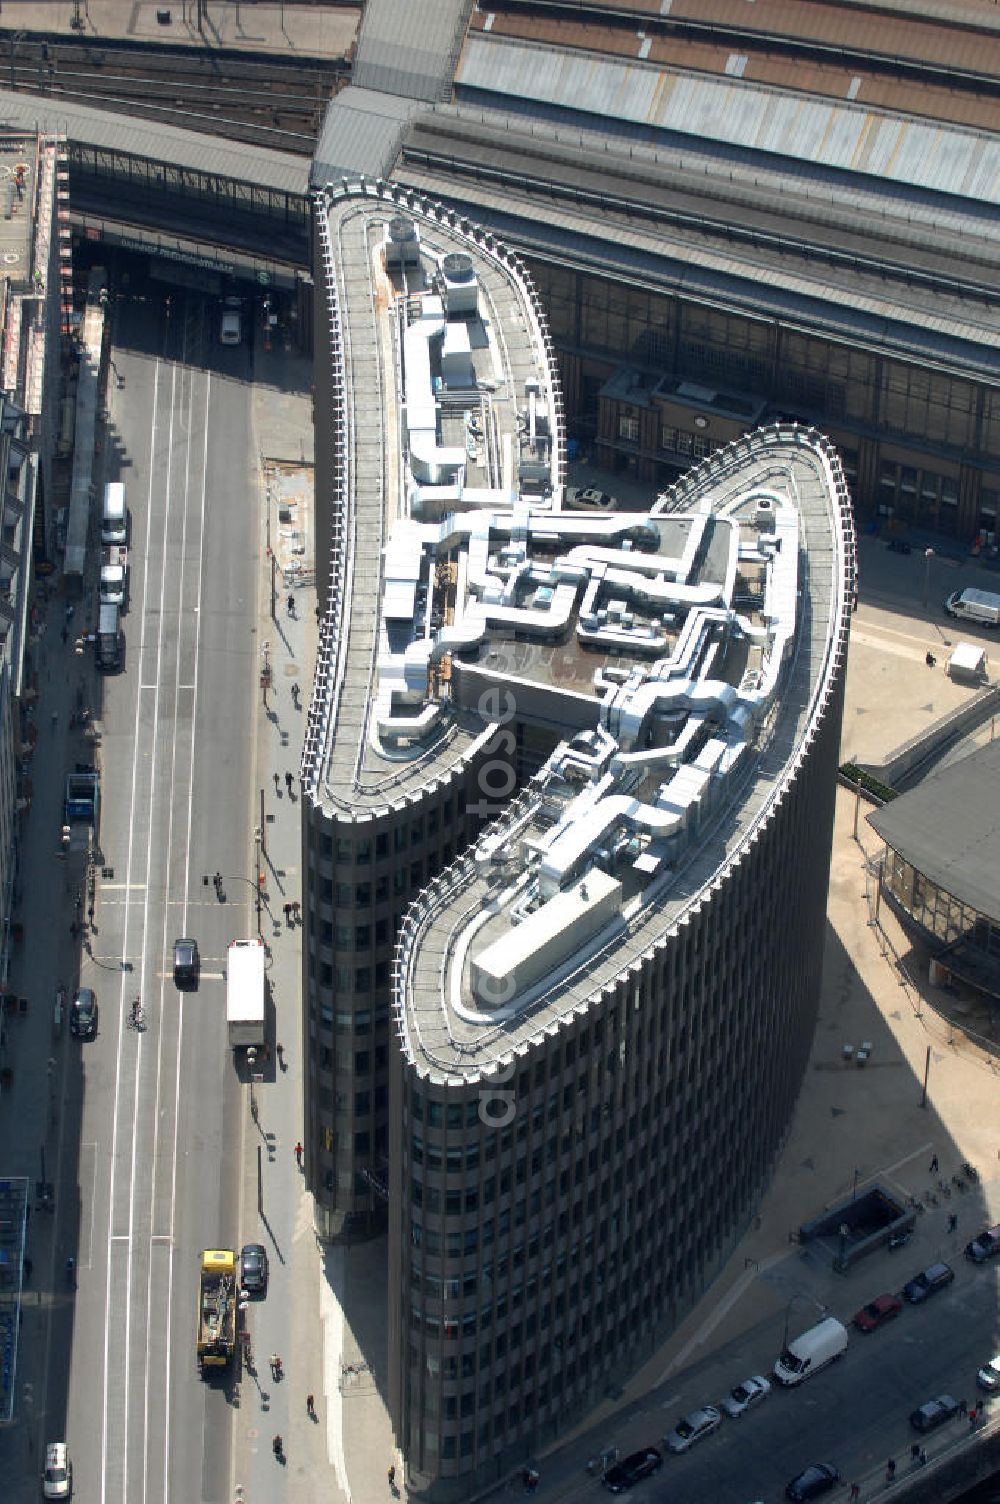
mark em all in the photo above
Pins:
pixel 184 925
pixel 116 1326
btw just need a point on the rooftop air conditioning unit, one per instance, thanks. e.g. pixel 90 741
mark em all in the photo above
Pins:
pixel 461 290
pixel 402 243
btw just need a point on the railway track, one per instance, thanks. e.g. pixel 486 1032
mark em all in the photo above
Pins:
pixel 251 99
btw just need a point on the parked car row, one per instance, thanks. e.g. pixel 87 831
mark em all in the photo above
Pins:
pixel 811 1351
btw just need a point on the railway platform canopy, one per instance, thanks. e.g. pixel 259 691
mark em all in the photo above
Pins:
pixel 237 192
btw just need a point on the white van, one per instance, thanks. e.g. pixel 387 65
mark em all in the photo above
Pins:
pixel 811 1352
pixel 114 515
pixel 231 327
pixel 980 606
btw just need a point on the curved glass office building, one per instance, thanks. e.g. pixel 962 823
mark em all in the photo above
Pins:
pixel 569 777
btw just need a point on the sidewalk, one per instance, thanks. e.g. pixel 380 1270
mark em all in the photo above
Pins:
pixel 41 1099
pixel 301 31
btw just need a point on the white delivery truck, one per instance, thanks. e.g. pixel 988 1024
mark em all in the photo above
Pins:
pixel 812 1351
pixel 245 994
pixel 980 606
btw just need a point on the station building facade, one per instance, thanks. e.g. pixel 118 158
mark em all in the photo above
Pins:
pixel 655 380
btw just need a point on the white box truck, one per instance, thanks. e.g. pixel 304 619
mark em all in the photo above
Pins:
pixel 967 664
pixel 980 606
pixel 245 994
pixel 817 1347
pixel 114 576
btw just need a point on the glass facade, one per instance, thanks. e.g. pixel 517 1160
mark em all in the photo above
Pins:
pixel 935 909
pixel 923 442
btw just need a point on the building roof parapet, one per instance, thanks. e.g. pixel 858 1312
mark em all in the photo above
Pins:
pixel 324 723
pixel 442 1038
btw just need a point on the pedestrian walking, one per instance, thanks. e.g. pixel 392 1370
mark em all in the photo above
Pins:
pixel 855 1493
pixel 298 1155
pixel 288 782
pixel 392 1475
pixel 310 1407
pixel 890 1470
pixel 973 1417
pixel 952 1221
pixel 296 911
pixel 277 783
pixel 287 910
pixel 963 1407
pixel 291 605
pixel 932 1168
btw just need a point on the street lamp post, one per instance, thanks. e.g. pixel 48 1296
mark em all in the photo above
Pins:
pixel 258 870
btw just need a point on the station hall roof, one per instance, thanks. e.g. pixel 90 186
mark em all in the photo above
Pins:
pixel 948 829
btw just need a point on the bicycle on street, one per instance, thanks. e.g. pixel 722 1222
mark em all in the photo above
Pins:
pixel 136 1019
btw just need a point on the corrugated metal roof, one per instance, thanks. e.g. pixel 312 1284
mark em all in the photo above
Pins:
pixel 801 190
pixel 969 39
pixel 157 142
pixel 863 311
pixel 409 49
pixel 944 159
pixel 949 829
pixel 970 42
pixel 362 129
pixel 833 70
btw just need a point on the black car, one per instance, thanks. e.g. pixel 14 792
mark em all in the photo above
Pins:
pixel 253 1268
pixel 986 1246
pixel 928 1282
pixel 818 1478
pixel 898 546
pixel 934 1413
pixel 83 1014
pixel 187 964
pixel 632 1469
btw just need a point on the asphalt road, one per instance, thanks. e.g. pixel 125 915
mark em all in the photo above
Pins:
pixel 158 1123
pixel 853 1413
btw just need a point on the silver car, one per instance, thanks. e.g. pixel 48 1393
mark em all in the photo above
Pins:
pixel 988 1377
pixel 692 1428
pixel 57 1479
pixel 739 1400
